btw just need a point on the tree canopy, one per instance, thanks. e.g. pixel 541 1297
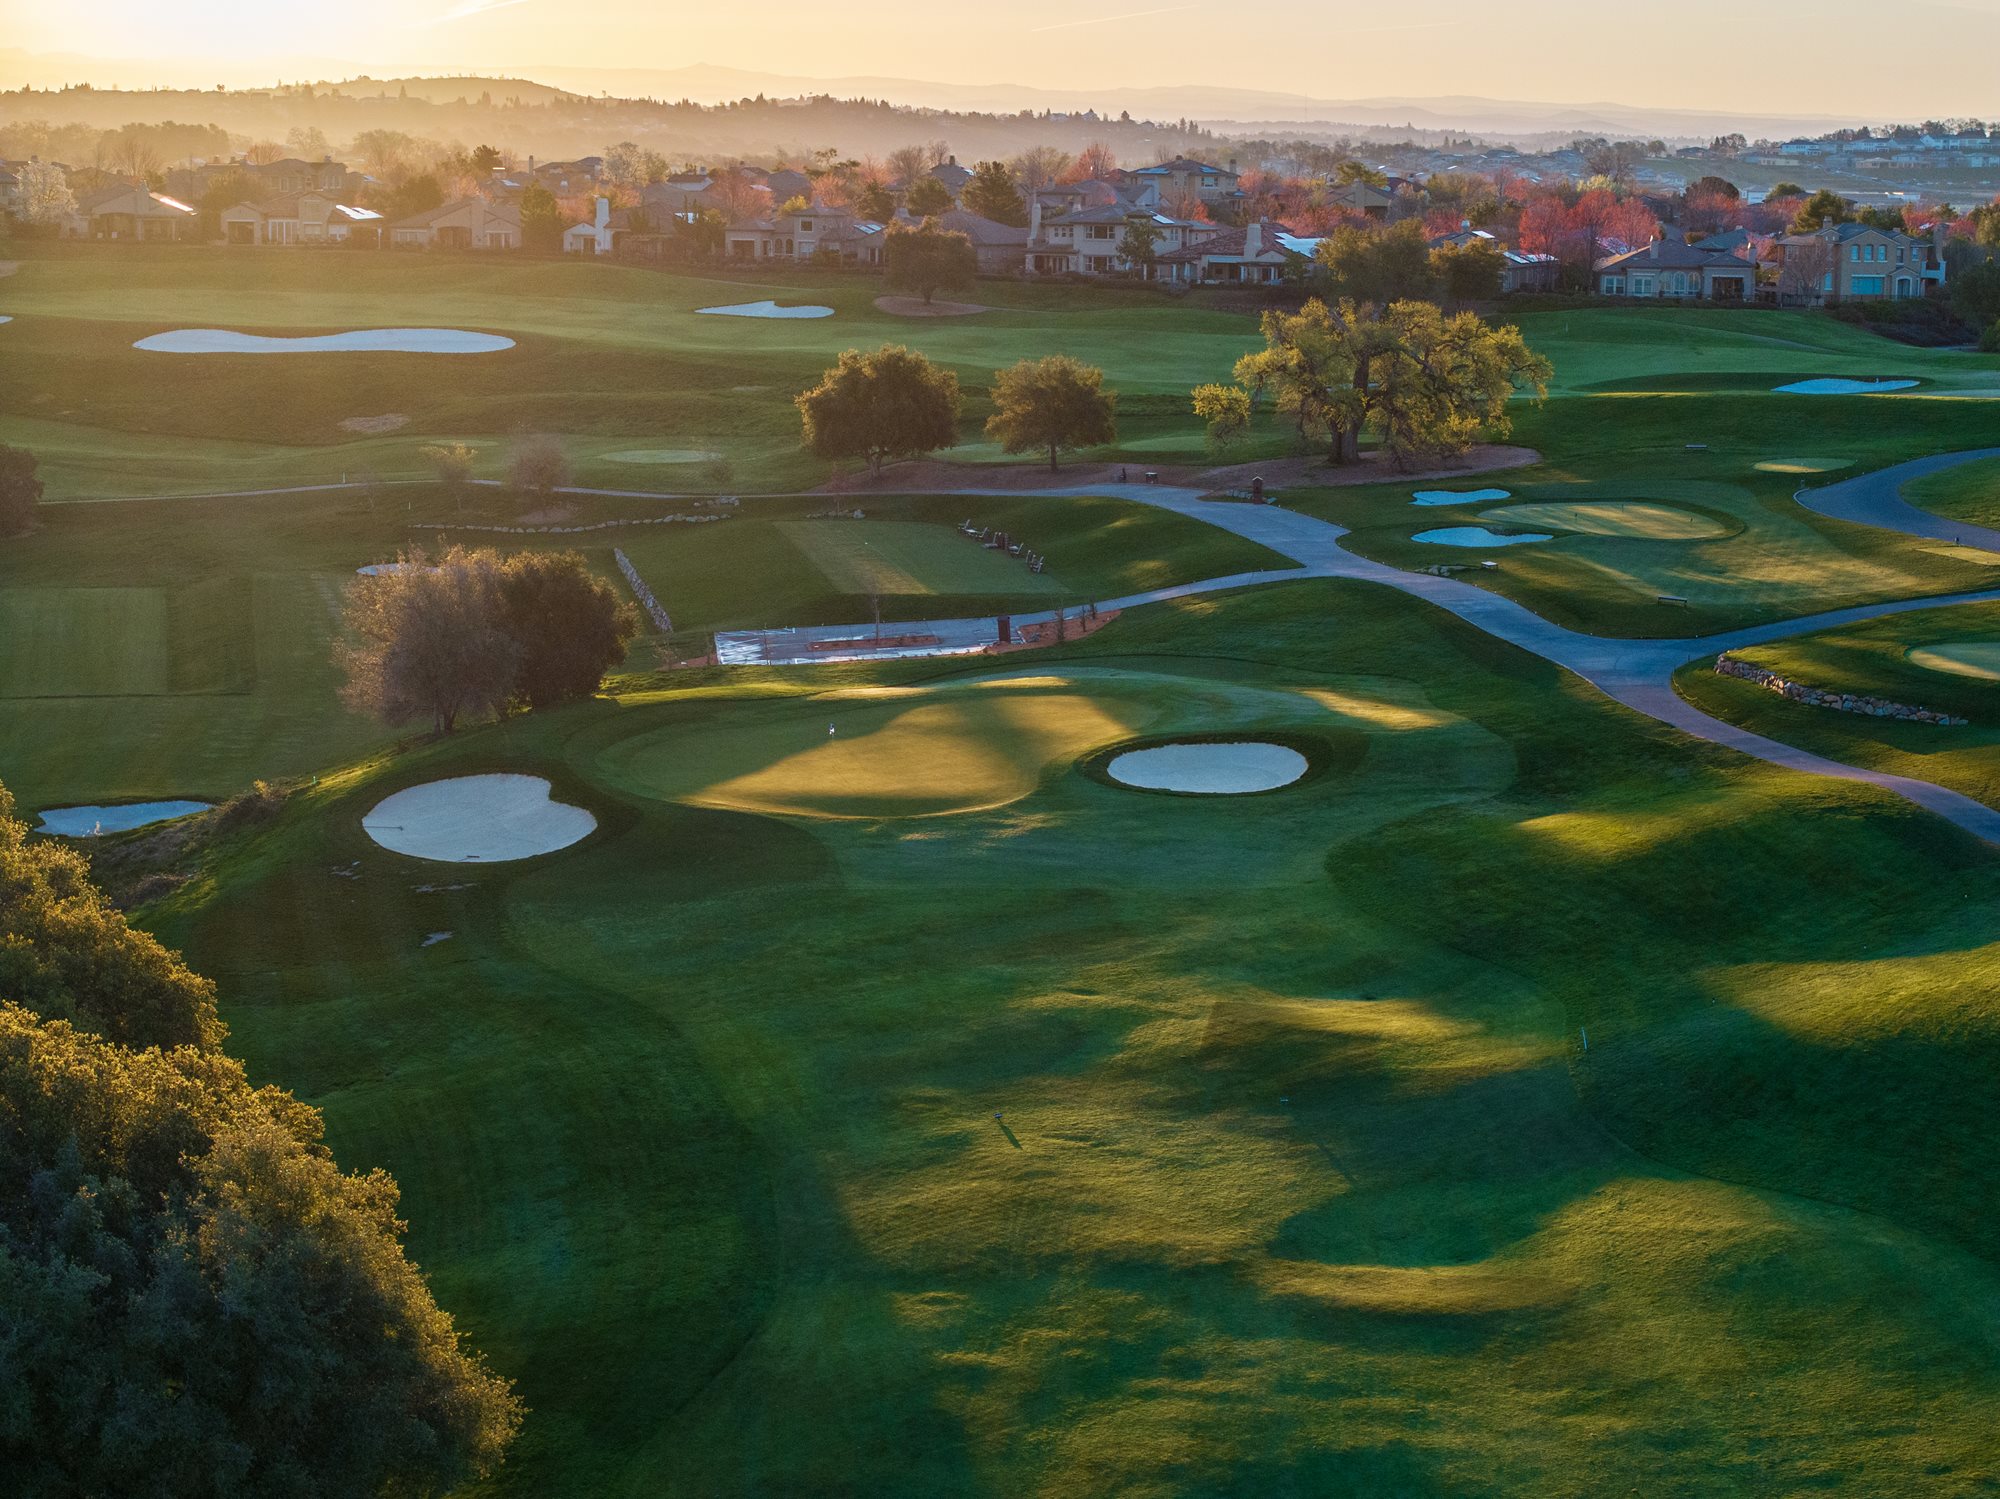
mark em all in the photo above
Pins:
pixel 1469 272
pixel 1823 208
pixel 199 1300
pixel 927 198
pixel 1053 405
pixel 890 404
pixel 927 260
pixel 541 219
pixel 992 195
pixel 1429 385
pixel 470 633
pixel 1369 264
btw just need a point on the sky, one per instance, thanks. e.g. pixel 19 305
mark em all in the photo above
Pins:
pixel 1841 58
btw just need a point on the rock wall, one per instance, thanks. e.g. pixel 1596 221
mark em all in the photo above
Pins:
pixel 1819 697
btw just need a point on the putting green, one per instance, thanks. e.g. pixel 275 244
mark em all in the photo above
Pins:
pixel 1804 465
pixel 662 455
pixel 1962 658
pixel 1631 518
pixel 895 752
pixel 910 557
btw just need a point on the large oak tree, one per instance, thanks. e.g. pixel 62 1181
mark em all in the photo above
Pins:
pixel 890 404
pixel 1053 405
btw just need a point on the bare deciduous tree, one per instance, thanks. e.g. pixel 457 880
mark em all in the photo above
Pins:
pixel 425 640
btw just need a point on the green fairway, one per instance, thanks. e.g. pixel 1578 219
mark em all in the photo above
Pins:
pixel 1629 518
pixel 83 642
pixel 1943 659
pixel 1970 492
pixel 911 559
pixel 1082 1141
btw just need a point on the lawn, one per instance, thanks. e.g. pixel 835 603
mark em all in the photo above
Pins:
pixel 939 1119
pixel 613 359
pixel 1882 658
pixel 183 647
pixel 1764 557
pixel 1969 492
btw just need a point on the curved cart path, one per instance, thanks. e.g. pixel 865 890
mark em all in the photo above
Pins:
pixel 1637 673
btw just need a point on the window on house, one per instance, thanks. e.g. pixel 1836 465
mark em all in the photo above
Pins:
pixel 805 226
pixel 1867 286
pixel 1642 286
pixel 1614 286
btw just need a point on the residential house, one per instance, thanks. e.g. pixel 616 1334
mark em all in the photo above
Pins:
pixel 1520 270
pixel 1668 269
pixel 1363 198
pixel 804 233
pixel 1090 241
pixel 462 224
pixel 1001 248
pixel 305 219
pixel 566 177
pixel 1258 254
pixel 133 213
pixel 786 184
pixel 1180 180
pixel 1859 263
pixel 599 234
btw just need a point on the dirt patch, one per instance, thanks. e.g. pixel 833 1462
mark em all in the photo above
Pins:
pixel 918 307
pixel 8 267
pixel 393 421
pixel 1312 471
pixel 554 515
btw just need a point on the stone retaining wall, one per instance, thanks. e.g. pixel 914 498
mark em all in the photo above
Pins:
pixel 642 593
pixel 1845 702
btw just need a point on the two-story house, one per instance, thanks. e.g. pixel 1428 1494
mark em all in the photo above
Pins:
pixel 1181 179
pixel 803 233
pixel 1857 262
pixel 462 224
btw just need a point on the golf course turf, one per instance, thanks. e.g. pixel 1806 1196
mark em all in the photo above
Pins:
pixel 879 1100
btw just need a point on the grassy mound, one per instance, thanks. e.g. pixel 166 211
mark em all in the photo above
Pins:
pixel 1299 1160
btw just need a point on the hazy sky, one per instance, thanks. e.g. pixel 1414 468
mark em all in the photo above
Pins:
pixel 1833 57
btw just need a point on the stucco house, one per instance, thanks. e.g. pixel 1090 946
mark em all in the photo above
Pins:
pixel 1857 262
pixel 1520 270
pixel 1090 241
pixel 804 233
pixel 303 219
pixel 1183 177
pixel 133 213
pixel 1002 248
pixel 1258 254
pixel 462 224
pixel 1668 269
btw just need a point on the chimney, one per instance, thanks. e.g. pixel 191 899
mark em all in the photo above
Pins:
pixel 1253 240
pixel 1034 217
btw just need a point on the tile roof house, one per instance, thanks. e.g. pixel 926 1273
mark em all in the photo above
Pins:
pixel 1258 254
pixel 805 233
pixel 1667 268
pixel 1857 262
pixel 1089 241
pixel 462 224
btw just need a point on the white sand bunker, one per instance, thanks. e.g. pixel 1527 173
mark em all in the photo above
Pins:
pixel 477 820
pixel 88 822
pixel 1459 496
pixel 1477 536
pixel 1832 387
pixel 765 309
pixel 663 455
pixel 6 320
pixel 1233 768
pixel 361 341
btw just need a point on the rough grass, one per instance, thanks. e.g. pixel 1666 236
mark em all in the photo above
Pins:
pixel 1970 492
pixel 1875 659
pixel 1301 1179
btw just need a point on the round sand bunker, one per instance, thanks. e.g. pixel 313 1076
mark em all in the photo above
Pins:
pixel 360 341
pixel 765 309
pixel 1209 768
pixel 477 820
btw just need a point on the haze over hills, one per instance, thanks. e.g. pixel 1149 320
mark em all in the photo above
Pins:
pixel 1227 109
